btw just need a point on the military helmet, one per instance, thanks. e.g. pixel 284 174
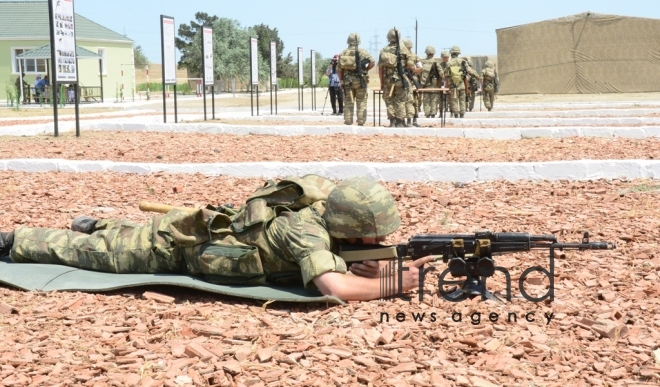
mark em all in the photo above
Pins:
pixel 469 62
pixel 430 50
pixel 408 43
pixel 455 50
pixel 391 35
pixel 489 63
pixel 353 39
pixel 359 207
pixel 445 54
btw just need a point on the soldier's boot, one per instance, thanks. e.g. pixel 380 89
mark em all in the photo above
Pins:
pixel 489 109
pixel 400 122
pixel 462 115
pixel 432 115
pixel 392 122
pixel 84 224
pixel 415 122
pixel 6 242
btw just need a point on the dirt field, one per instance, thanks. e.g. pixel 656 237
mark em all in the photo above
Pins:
pixel 601 329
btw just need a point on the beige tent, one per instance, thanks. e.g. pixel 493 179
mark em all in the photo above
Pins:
pixel 585 53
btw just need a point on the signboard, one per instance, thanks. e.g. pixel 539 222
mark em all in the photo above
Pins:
pixel 254 65
pixel 65 41
pixel 273 63
pixel 169 50
pixel 207 34
pixel 300 67
pixel 313 53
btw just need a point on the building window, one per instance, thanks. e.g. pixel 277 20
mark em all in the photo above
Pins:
pixel 30 66
pixel 101 52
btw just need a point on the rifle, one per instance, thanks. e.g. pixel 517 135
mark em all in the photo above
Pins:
pixel 399 67
pixel 464 72
pixel 471 255
pixel 433 73
pixel 360 67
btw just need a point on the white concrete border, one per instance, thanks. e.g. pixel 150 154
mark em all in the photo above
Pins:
pixel 509 133
pixel 435 171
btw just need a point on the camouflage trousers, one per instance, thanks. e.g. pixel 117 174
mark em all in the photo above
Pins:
pixel 431 102
pixel 396 103
pixel 457 99
pixel 119 246
pixel 489 96
pixel 355 97
pixel 412 104
pixel 471 98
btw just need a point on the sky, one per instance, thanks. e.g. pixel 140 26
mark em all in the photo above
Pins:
pixel 324 26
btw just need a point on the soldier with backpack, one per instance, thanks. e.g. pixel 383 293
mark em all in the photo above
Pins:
pixel 489 85
pixel 456 73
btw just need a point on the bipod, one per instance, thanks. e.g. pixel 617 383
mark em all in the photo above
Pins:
pixel 326 100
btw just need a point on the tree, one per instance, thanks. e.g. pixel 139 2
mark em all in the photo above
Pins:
pixel 189 42
pixel 265 34
pixel 139 58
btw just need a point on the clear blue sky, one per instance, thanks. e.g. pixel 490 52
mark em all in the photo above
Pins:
pixel 324 27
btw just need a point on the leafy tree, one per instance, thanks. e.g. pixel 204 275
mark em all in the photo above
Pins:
pixel 188 42
pixel 321 66
pixel 139 58
pixel 265 34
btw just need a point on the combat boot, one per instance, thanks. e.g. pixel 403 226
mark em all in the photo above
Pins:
pixel 6 242
pixel 462 115
pixel 400 123
pixel 432 115
pixel 392 122
pixel 84 224
pixel 408 124
pixel 415 122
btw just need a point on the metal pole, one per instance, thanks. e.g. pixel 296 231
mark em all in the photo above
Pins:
pixel 76 90
pixel 251 81
pixel 101 76
pixel 176 117
pixel 20 76
pixel 203 72
pixel 54 69
pixel 257 99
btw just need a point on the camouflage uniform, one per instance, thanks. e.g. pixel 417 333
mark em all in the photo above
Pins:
pixel 489 77
pixel 261 247
pixel 391 82
pixel 457 86
pixel 414 100
pixel 254 245
pixel 473 87
pixel 430 100
pixel 354 93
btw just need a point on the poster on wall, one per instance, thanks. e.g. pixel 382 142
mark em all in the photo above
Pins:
pixel 273 63
pixel 208 56
pixel 254 56
pixel 169 50
pixel 64 28
pixel 300 67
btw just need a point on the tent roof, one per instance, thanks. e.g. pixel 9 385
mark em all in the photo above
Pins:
pixel 577 16
pixel 43 52
pixel 29 19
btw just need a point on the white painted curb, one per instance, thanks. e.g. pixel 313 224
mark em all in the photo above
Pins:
pixel 436 171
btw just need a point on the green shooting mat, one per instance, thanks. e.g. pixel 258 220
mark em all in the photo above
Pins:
pixel 44 277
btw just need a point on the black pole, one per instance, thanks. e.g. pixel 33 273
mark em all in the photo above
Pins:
pixel 276 87
pixel 251 81
pixel 257 99
pixel 76 87
pixel 213 99
pixel 101 77
pixel 162 68
pixel 203 71
pixel 53 81
pixel 176 117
